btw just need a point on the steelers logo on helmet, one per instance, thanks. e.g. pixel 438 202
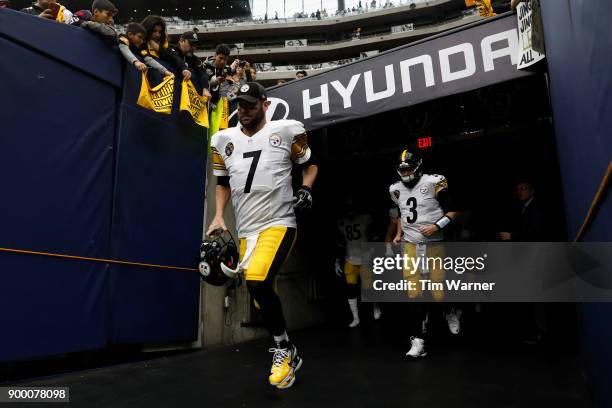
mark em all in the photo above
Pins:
pixel 409 167
pixel 244 88
pixel 218 259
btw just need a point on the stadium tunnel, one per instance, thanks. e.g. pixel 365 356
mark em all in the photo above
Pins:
pixel 484 140
pixel 464 135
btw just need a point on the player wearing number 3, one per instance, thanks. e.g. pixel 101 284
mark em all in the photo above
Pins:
pixel 253 163
pixel 425 211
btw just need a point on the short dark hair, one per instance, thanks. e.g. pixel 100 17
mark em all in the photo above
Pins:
pixel 301 72
pixel 528 183
pixel 104 5
pixel 136 28
pixel 223 49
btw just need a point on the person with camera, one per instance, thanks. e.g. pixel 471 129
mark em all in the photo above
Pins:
pixel 217 70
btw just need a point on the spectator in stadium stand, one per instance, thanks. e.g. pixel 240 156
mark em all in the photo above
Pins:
pixel 129 46
pixel 373 4
pixel 5 4
pixel 49 9
pixel 253 72
pixel 184 52
pixel 276 15
pixel 280 81
pixel 100 21
pixel 217 70
pixel 157 36
pixel 318 14
pixel 301 74
pixel 156 45
pixel 238 78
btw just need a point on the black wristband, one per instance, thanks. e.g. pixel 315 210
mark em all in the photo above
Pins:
pixel 305 187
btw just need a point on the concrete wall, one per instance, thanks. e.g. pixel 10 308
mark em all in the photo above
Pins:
pixel 294 284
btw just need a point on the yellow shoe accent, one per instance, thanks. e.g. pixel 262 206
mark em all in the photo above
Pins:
pixel 288 381
pixel 281 365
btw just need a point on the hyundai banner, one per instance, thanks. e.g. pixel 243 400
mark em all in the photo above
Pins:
pixel 457 61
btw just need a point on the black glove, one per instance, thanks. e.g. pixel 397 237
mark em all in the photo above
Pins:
pixel 303 199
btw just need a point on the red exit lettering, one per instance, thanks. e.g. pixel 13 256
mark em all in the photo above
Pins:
pixel 424 142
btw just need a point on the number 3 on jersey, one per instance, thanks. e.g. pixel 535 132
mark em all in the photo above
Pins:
pixel 412 205
pixel 255 155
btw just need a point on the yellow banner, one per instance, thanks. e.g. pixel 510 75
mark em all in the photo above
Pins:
pixel 484 8
pixel 225 115
pixel 158 99
pixel 194 103
pixel 60 14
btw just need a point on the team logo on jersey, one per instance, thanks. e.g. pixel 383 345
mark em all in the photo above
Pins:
pixel 275 140
pixel 396 194
pixel 244 88
pixel 424 190
pixel 229 149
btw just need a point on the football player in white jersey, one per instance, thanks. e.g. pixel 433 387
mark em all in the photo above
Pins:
pixel 355 230
pixel 253 163
pixel 425 210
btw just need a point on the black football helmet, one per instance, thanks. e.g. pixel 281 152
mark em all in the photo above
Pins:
pixel 409 162
pixel 218 259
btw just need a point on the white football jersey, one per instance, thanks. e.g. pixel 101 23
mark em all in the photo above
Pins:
pixel 259 168
pixel 355 231
pixel 418 206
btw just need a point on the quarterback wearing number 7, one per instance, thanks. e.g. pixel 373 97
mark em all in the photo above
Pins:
pixel 253 163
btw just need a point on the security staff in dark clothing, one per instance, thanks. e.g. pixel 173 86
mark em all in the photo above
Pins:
pixel 529 228
pixel 530 222
pixel 183 52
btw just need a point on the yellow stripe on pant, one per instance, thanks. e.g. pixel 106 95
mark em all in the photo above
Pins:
pixel 436 269
pixel 270 245
pixel 351 273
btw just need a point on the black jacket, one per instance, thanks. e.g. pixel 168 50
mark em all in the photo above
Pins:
pixel 190 62
pixel 530 224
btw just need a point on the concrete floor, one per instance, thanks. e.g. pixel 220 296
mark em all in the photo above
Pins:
pixel 342 368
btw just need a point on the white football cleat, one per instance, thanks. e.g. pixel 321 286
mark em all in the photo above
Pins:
pixel 417 348
pixel 376 311
pixel 453 318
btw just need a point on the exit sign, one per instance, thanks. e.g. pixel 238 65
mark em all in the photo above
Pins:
pixel 424 142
